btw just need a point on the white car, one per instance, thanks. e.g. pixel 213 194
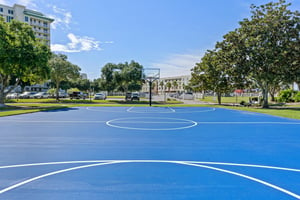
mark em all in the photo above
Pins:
pixel 41 95
pixel 187 96
pixel 12 96
pixel 27 95
pixel 99 96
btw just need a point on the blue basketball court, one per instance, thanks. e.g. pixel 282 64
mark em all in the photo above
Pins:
pixel 149 153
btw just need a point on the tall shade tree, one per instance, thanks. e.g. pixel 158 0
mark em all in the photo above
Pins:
pixel 62 70
pixel 121 77
pixel 198 82
pixel 265 48
pixel 212 74
pixel 108 74
pixel 22 56
pixel 130 76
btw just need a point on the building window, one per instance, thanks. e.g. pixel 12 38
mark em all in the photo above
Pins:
pixel 9 18
pixel 1 9
pixel 10 12
pixel 26 19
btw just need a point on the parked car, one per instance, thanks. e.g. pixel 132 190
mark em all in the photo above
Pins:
pixel 63 95
pixel 27 95
pixel 131 96
pixel 77 95
pixel 187 96
pixel 41 95
pixel 99 96
pixel 12 95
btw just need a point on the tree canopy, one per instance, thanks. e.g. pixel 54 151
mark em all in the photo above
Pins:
pixel 62 70
pixel 121 77
pixel 263 51
pixel 22 56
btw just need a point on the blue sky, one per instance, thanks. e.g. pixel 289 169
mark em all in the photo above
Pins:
pixel 169 34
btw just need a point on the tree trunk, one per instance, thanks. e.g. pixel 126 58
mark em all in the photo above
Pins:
pixel 2 98
pixel 272 92
pixel 57 91
pixel 272 96
pixel 219 96
pixel 265 103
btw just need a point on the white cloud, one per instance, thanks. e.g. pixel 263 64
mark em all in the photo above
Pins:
pixel 77 44
pixel 3 2
pixel 62 17
pixel 27 3
pixel 177 64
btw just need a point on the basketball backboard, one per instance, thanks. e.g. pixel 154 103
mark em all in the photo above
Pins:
pixel 151 74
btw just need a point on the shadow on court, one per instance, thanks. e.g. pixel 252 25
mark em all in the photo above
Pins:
pixel 61 110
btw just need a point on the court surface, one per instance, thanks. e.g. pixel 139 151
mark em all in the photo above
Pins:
pixel 149 153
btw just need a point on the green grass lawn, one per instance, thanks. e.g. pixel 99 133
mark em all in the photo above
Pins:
pixel 237 99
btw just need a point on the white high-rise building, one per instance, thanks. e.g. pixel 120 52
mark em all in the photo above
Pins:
pixel 39 22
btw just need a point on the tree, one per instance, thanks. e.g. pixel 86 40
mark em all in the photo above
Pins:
pixel 162 84
pixel 81 84
pixel 264 48
pixel 108 74
pixel 122 77
pixel 212 74
pixel 95 85
pixel 129 76
pixel 22 56
pixel 62 70
pixel 175 84
pixel 168 85
pixel 198 82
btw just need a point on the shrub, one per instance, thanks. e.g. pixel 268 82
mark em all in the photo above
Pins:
pixel 242 103
pixel 297 97
pixel 286 96
pixel 51 91
pixel 71 90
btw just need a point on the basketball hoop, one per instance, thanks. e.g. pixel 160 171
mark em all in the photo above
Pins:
pixel 150 75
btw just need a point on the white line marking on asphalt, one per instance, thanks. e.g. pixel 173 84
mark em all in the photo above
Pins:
pixel 134 120
pixel 188 163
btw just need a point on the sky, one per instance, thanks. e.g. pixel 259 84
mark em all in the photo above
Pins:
pixel 171 35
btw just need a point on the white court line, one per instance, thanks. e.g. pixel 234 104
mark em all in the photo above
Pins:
pixel 198 111
pixel 150 161
pixel 248 177
pixel 51 121
pixel 187 121
pixel 150 112
pixel 151 122
pixel 128 110
pixel 172 109
pixel 286 123
pixel 50 174
pixel 103 110
pixel 134 120
pixel 188 163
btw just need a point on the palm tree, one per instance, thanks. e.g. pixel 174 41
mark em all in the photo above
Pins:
pixel 161 84
pixel 175 84
pixel 169 85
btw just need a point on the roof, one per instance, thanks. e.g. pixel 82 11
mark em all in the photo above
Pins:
pixel 37 14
